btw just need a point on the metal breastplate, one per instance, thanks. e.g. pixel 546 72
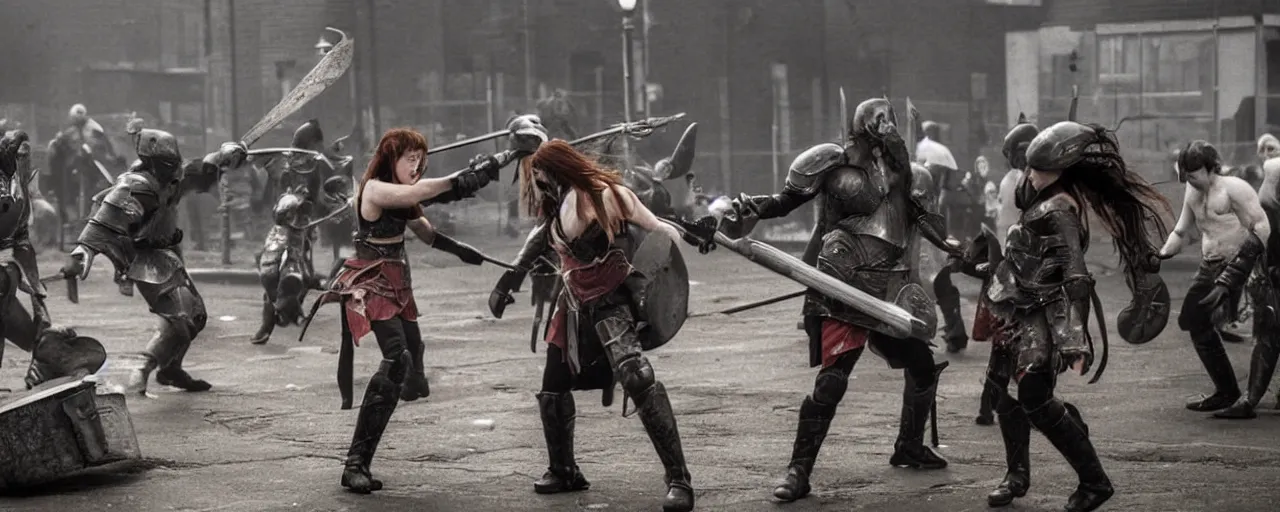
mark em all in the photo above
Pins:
pixel 867 202
pixel 1035 255
pixel 159 230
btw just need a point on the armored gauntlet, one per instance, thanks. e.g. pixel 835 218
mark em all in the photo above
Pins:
pixel 464 252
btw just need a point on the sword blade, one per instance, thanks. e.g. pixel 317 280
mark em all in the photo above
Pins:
pixel 329 70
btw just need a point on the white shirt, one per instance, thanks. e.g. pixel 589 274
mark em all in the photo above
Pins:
pixel 929 152
pixel 1008 215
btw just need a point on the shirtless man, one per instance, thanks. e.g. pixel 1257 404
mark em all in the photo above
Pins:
pixel 1234 231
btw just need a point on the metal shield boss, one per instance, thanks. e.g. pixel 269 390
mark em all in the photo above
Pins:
pixel 1147 315
pixel 659 287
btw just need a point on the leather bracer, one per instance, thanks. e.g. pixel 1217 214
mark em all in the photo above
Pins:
pixel 1236 274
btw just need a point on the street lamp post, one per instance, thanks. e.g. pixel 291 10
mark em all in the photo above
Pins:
pixel 628 25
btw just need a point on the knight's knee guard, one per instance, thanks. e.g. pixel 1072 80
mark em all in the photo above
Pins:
pixel 636 375
pixel 830 386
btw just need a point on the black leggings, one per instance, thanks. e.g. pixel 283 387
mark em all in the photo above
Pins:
pixel 556 377
pixel 398 339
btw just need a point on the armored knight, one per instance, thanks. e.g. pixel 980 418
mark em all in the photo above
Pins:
pixel 1041 291
pixel 874 203
pixel 55 352
pixel 595 338
pixel 135 226
pixel 285 263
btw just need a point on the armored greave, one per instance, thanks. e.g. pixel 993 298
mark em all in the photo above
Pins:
pixel 380 399
pixel 1015 429
pixel 1262 366
pixel 182 317
pixel 1208 345
pixel 558 415
pixel 660 423
pixel 917 402
pixel 616 329
pixel 949 302
pixel 816 413
pixel 268 325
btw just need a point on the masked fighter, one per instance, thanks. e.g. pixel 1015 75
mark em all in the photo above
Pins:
pixel 135 227
pixel 1234 230
pixel 74 156
pixel 586 215
pixel 1041 291
pixel 873 204
pixel 375 287
pixel 996 382
pixel 285 264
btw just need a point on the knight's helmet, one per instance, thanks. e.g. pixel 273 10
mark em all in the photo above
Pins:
pixel 874 117
pixel 157 151
pixel 1017 140
pixel 309 136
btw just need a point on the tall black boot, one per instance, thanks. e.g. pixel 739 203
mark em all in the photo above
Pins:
pixel 558 414
pixel 909 450
pixel 1016 431
pixel 380 400
pixel 268 322
pixel 1262 366
pixel 1208 345
pixel 815 419
pixel 654 408
pixel 953 329
pixel 1068 434
pixel 415 384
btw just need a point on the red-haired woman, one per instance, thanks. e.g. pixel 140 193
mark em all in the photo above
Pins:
pixel 585 213
pixel 375 286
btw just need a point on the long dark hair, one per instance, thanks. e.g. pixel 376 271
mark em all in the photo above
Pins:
pixel 567 167
pixel 1131 210
pixel 394 144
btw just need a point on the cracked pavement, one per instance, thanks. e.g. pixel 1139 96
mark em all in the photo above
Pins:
pixel 270 435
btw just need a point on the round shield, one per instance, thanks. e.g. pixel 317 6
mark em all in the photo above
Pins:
pixel 1148 314
pixel 660 288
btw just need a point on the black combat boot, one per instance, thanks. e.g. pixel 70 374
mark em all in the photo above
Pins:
pixel 1208 345
pixel 1068 434
pixel 172 374
pixel 268 322
pixel 1262 366
pixel 380 400
pixel 654 408
pixel 909 450
pixel 1016 431
pixel 558 413
pixel 815 419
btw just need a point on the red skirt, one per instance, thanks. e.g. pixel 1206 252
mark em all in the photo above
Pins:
pixel 371 291
pixel 839 338
pixel 986 327
pixel 586 282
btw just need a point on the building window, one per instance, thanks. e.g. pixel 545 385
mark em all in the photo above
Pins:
pixel 1167 78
